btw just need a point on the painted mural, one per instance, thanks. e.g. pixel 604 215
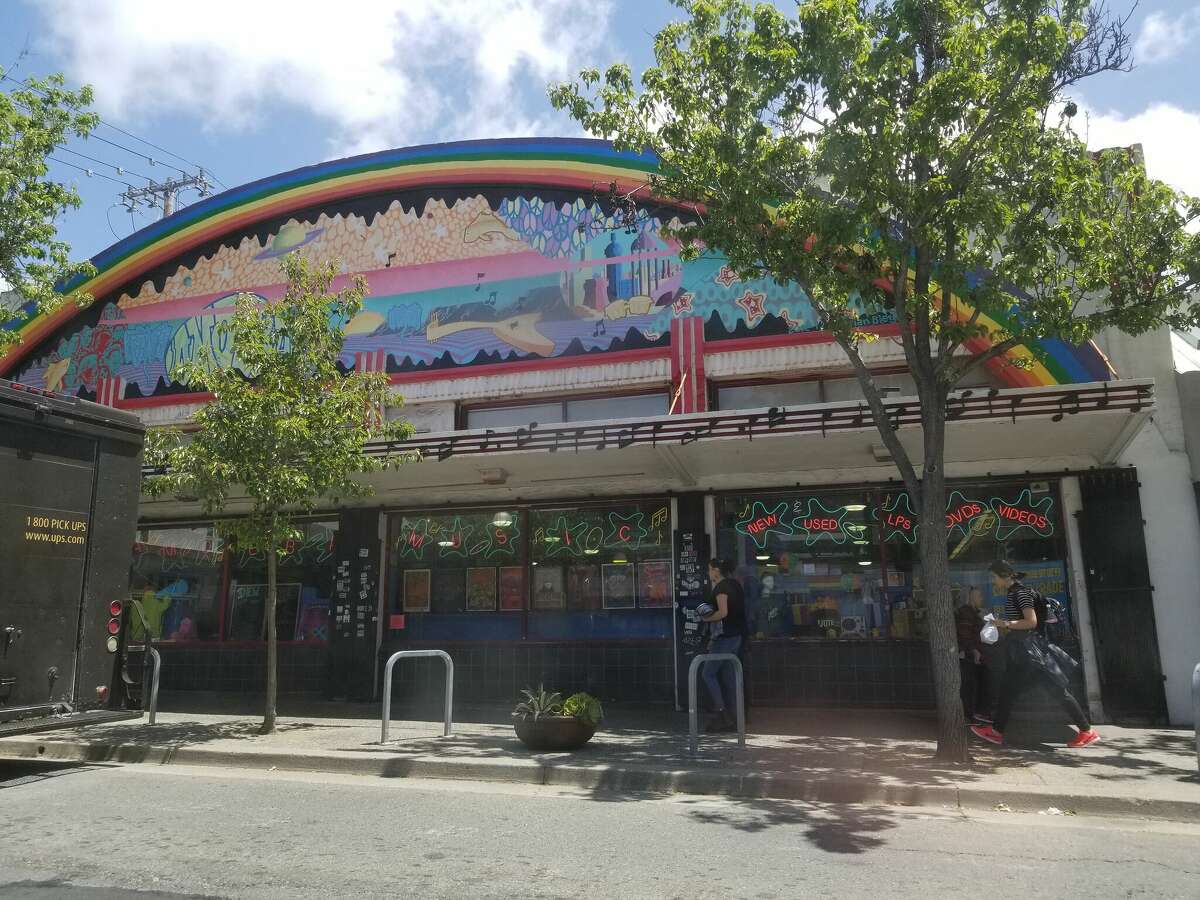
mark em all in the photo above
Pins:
pixel 478 280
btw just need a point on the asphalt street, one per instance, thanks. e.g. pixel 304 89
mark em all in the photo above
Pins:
pixel 96 832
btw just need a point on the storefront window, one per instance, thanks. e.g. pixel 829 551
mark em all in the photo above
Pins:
pixel 602 571
pixel 176 579
pixel 458 575
pixel 1018 521
pixel 305 576
pixel 845 564
pixel 809 562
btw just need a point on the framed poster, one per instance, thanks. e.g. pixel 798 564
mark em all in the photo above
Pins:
pixel 449 591
pixel 247 603
pixel 512 587
pixel 617 586
pixel 481 589
pixel 548 590
pixel 583 587
pixel 654 583
pixel 416 590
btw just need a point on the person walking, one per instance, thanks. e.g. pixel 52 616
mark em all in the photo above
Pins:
pixel 727 633
pixel 1029 660
pixel 968 621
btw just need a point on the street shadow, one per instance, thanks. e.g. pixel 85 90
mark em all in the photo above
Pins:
pixel 19 772
pixel 832 828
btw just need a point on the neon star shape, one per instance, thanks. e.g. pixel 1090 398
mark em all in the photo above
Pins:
pixel 819 521
pixel 490 545
pixel 961 512
pixel 754 305
pixel 459 533
pixel 761 522
pixel 897 518
pixel 626 531
pixel 683 303
pixel 414 539
pixel 726 277
pixel 565 537
pixel 1024 512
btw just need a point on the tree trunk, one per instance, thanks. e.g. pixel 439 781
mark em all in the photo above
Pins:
pixel 268 725
pixel 935 578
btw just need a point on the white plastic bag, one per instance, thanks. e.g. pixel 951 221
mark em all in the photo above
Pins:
pixel 989 633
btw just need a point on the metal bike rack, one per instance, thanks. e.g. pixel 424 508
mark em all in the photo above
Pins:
pixel 693 728
pixel 387 687
pixel 1196 710
pixel 157 660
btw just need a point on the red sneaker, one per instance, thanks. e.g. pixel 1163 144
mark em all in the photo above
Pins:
pixel 1084 738
pixel 988 733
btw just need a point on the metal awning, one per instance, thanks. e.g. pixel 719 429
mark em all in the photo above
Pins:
pixel 989 431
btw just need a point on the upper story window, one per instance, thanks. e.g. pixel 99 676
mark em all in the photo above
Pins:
pixel 587 409
pixel 824 390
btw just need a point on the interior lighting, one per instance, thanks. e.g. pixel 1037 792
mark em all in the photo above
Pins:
pixel 445 543
pixel 864 562
pixel 502 520
pixel 762 557
pixel 854 507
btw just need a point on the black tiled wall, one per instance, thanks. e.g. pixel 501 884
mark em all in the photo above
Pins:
pixel 303 668
pixel 839 673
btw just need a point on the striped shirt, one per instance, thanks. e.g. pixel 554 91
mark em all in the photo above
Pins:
pixel 1020 598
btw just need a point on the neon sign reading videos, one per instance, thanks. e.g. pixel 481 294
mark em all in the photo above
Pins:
pixel 1024 512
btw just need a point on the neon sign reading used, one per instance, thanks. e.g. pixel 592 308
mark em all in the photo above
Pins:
pixel 817 522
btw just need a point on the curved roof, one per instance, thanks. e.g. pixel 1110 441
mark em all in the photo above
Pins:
pixel 553 162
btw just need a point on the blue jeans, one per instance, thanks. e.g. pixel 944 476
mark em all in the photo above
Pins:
pixel 720 674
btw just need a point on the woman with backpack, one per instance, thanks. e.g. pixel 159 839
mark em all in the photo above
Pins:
pixel 1029 659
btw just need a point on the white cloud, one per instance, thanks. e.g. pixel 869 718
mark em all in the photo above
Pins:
pixel 381 73
pixel 1169 137
pixel 1162 37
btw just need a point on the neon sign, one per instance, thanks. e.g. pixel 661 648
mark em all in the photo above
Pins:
pixel 1024 512
pixel 762 522
pixel 565 537
pixel 626 531
pixel 817 522
pixel 961 512
pixel 414 537
pixel 498 539
pixel 897 518
pixel 454 542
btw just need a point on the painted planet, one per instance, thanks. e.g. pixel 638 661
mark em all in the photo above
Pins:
pixel 365 322
pixel 290 237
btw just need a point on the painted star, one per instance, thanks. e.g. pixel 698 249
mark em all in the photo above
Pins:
pixel 792 324
pixel 458 535
pixel 726 277
pixel 626 531
pixel 753 304
pixel 760 522
pixel 1024 512
pixel 440 230
pixel 414 538
pixel 897 518
pixel 961 512
pixel 818 522
pixel 565 537
pixel 683 303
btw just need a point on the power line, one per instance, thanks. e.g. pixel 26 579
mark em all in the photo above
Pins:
pixel 89 172
pixel 121 170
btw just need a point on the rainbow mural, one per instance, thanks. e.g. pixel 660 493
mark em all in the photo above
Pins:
pixel 482 252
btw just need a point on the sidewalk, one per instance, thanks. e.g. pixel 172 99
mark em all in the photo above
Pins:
pixel 838 757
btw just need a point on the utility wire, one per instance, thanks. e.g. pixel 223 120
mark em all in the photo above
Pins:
pixel 88 172
pixel 121 170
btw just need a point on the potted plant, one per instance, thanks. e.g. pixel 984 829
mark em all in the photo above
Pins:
pixel 545 722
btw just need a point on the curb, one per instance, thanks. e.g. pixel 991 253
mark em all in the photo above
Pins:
pixel 624 779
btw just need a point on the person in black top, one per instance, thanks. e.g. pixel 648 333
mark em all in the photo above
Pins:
pixel 1029 659
pixel 727 632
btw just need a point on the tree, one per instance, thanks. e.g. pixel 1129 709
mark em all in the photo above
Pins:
pixel 921 145
pixel 285 428
pixel 34 118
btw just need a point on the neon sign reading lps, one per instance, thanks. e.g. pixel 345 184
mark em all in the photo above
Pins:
pixel 762 522
pixel 897 518
pixel 817 522
pixel 1024 512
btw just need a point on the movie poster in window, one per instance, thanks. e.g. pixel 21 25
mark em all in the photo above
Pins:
pixel 548 590
pixel 481 589
pixel 654 584
pixel 449 590
pixel 583 587
pixel 512 587
pixel 416 590
pixel 618 586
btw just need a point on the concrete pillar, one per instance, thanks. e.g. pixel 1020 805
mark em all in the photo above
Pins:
pixel 1072 503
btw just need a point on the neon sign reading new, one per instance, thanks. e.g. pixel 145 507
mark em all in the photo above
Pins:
pixel 762 522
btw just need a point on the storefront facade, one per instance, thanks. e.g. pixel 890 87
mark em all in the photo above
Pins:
pixel 587 404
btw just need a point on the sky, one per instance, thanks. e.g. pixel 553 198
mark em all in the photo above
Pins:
pixel 247 89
